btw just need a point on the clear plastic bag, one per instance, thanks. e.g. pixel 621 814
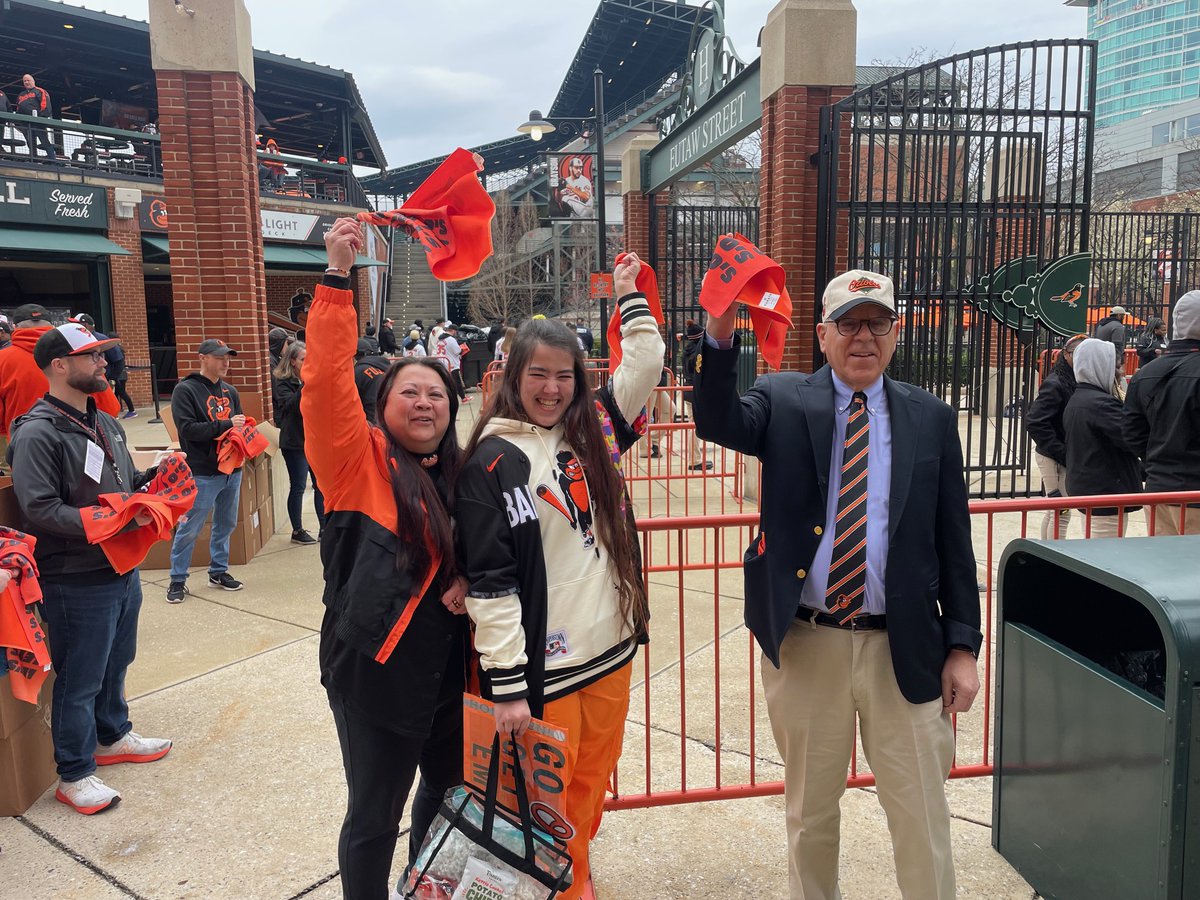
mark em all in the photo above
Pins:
pixel 477 850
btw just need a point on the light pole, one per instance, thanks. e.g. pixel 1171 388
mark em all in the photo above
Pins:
pixel 539 125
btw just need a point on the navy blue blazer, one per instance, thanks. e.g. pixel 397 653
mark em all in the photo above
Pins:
pixel 787 420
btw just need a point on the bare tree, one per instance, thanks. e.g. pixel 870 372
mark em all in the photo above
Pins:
pixel 504 289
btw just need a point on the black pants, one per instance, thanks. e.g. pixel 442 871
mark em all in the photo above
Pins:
pixel 39 138
pixel 122 394
pixel 298 474
pixel 380 768
pixel 456 377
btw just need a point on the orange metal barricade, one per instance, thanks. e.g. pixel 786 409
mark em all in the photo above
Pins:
pixel 698 643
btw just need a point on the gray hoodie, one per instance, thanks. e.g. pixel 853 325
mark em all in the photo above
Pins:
pixel 1095 362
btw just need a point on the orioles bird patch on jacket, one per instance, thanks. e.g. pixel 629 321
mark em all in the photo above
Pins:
pixel 574 504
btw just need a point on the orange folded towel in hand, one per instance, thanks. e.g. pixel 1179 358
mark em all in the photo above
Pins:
pixel 26 656
pixel 647 283
pixel 741 273
pixel 168 497
pixel 450 214
pixel 238 444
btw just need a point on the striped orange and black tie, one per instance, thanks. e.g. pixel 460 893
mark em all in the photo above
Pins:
pixel 848 570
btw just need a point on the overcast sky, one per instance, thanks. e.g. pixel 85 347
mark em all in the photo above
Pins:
pixel 464 72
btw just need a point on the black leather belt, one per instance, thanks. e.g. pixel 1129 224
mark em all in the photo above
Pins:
pixel 858 623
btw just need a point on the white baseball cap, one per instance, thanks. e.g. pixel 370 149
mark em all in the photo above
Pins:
pixel 854 288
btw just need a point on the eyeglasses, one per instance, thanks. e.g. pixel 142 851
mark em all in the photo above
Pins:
pixel 879 326
pixel 93 356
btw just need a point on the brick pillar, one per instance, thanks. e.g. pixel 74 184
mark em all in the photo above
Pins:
pixel 205 74
pixel 361 284
pixel 128 292
pixel 808 49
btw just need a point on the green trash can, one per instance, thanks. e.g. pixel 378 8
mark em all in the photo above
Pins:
pixel 1097 718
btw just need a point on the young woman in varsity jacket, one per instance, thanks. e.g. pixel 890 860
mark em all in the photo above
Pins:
pixel 547 544
pixel 394 637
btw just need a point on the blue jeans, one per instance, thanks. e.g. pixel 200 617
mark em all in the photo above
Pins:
pixel 92 632
pixel 298 474
pixel 219 493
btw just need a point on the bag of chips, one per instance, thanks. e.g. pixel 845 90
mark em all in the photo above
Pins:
pixel 477 849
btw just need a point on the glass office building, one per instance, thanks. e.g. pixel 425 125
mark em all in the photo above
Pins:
pixel 1148 55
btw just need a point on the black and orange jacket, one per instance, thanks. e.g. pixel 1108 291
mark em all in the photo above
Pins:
pixel 35 101
pixel 376 617
pixel 203 411
pixel 23 384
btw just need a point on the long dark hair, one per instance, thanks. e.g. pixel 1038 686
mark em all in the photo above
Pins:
pixel 581 428
pixel 421 511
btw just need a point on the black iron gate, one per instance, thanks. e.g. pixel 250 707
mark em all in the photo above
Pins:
pixel 1143 261
pixel 939 176
pixel 688 235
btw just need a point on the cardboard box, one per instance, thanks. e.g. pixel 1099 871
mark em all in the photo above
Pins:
pixel 266 523
pixel 248 500
pixel 160 554
pixel 244 543
pixel 169 423
pixel 10 512
pixel 262 479
pixel 27 757
pixel 14 713
pixel 252 405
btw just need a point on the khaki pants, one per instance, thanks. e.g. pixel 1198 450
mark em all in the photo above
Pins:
pixel 1054 478
pixel 1116 525
pixel 826 677
pixel 1166 520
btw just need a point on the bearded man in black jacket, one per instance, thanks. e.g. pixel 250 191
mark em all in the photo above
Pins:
pixel 65 453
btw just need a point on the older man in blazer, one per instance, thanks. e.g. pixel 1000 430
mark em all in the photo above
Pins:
pixel 861 584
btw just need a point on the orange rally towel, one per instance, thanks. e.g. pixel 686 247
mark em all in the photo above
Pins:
pixel 450 214
pixel 168 496
pixel 239 444
pixel 26 656
pixel 741 273
pixel 647 283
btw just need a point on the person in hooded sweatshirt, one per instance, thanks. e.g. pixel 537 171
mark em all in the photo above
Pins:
pixel 1045 424
pixel 205 406
pixel 1162 419
pixel 549 551
pixel 1099 461
pixel 22 381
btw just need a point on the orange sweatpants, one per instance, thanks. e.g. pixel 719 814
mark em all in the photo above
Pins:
pixel 594 718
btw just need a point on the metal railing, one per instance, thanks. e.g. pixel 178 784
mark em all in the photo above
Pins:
pixel 89 148
pixel 706 743
pixel 301 178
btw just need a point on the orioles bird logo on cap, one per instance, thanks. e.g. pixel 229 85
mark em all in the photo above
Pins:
pixel 864 284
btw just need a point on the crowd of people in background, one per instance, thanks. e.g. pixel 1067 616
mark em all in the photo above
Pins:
pixel 1098 433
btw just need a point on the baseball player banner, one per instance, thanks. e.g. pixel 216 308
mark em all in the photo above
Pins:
pixel 572 179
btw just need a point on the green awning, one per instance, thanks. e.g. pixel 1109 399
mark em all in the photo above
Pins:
pixel 156 245
pixel 293 257
pixel 282 255
pixel 62 240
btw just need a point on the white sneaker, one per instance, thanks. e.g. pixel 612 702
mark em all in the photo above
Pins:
pixel 89 795
pixel 132 748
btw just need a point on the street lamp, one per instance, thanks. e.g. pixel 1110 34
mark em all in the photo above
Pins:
pixel 537 127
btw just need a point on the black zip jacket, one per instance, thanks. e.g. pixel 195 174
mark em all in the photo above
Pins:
pixel 1162 418
pixel 285 401
pixel 387 340
pixel 1045 417
pixel 1098 459
pixel 47 453
pixel 1148 348
pixel 389 647
pixel 203 410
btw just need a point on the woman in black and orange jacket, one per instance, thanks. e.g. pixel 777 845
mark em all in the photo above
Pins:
pixel 393 639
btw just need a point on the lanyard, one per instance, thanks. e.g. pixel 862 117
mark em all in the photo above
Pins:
pixel 97 437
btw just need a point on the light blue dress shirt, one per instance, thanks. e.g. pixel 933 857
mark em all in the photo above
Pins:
pixel 879 487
